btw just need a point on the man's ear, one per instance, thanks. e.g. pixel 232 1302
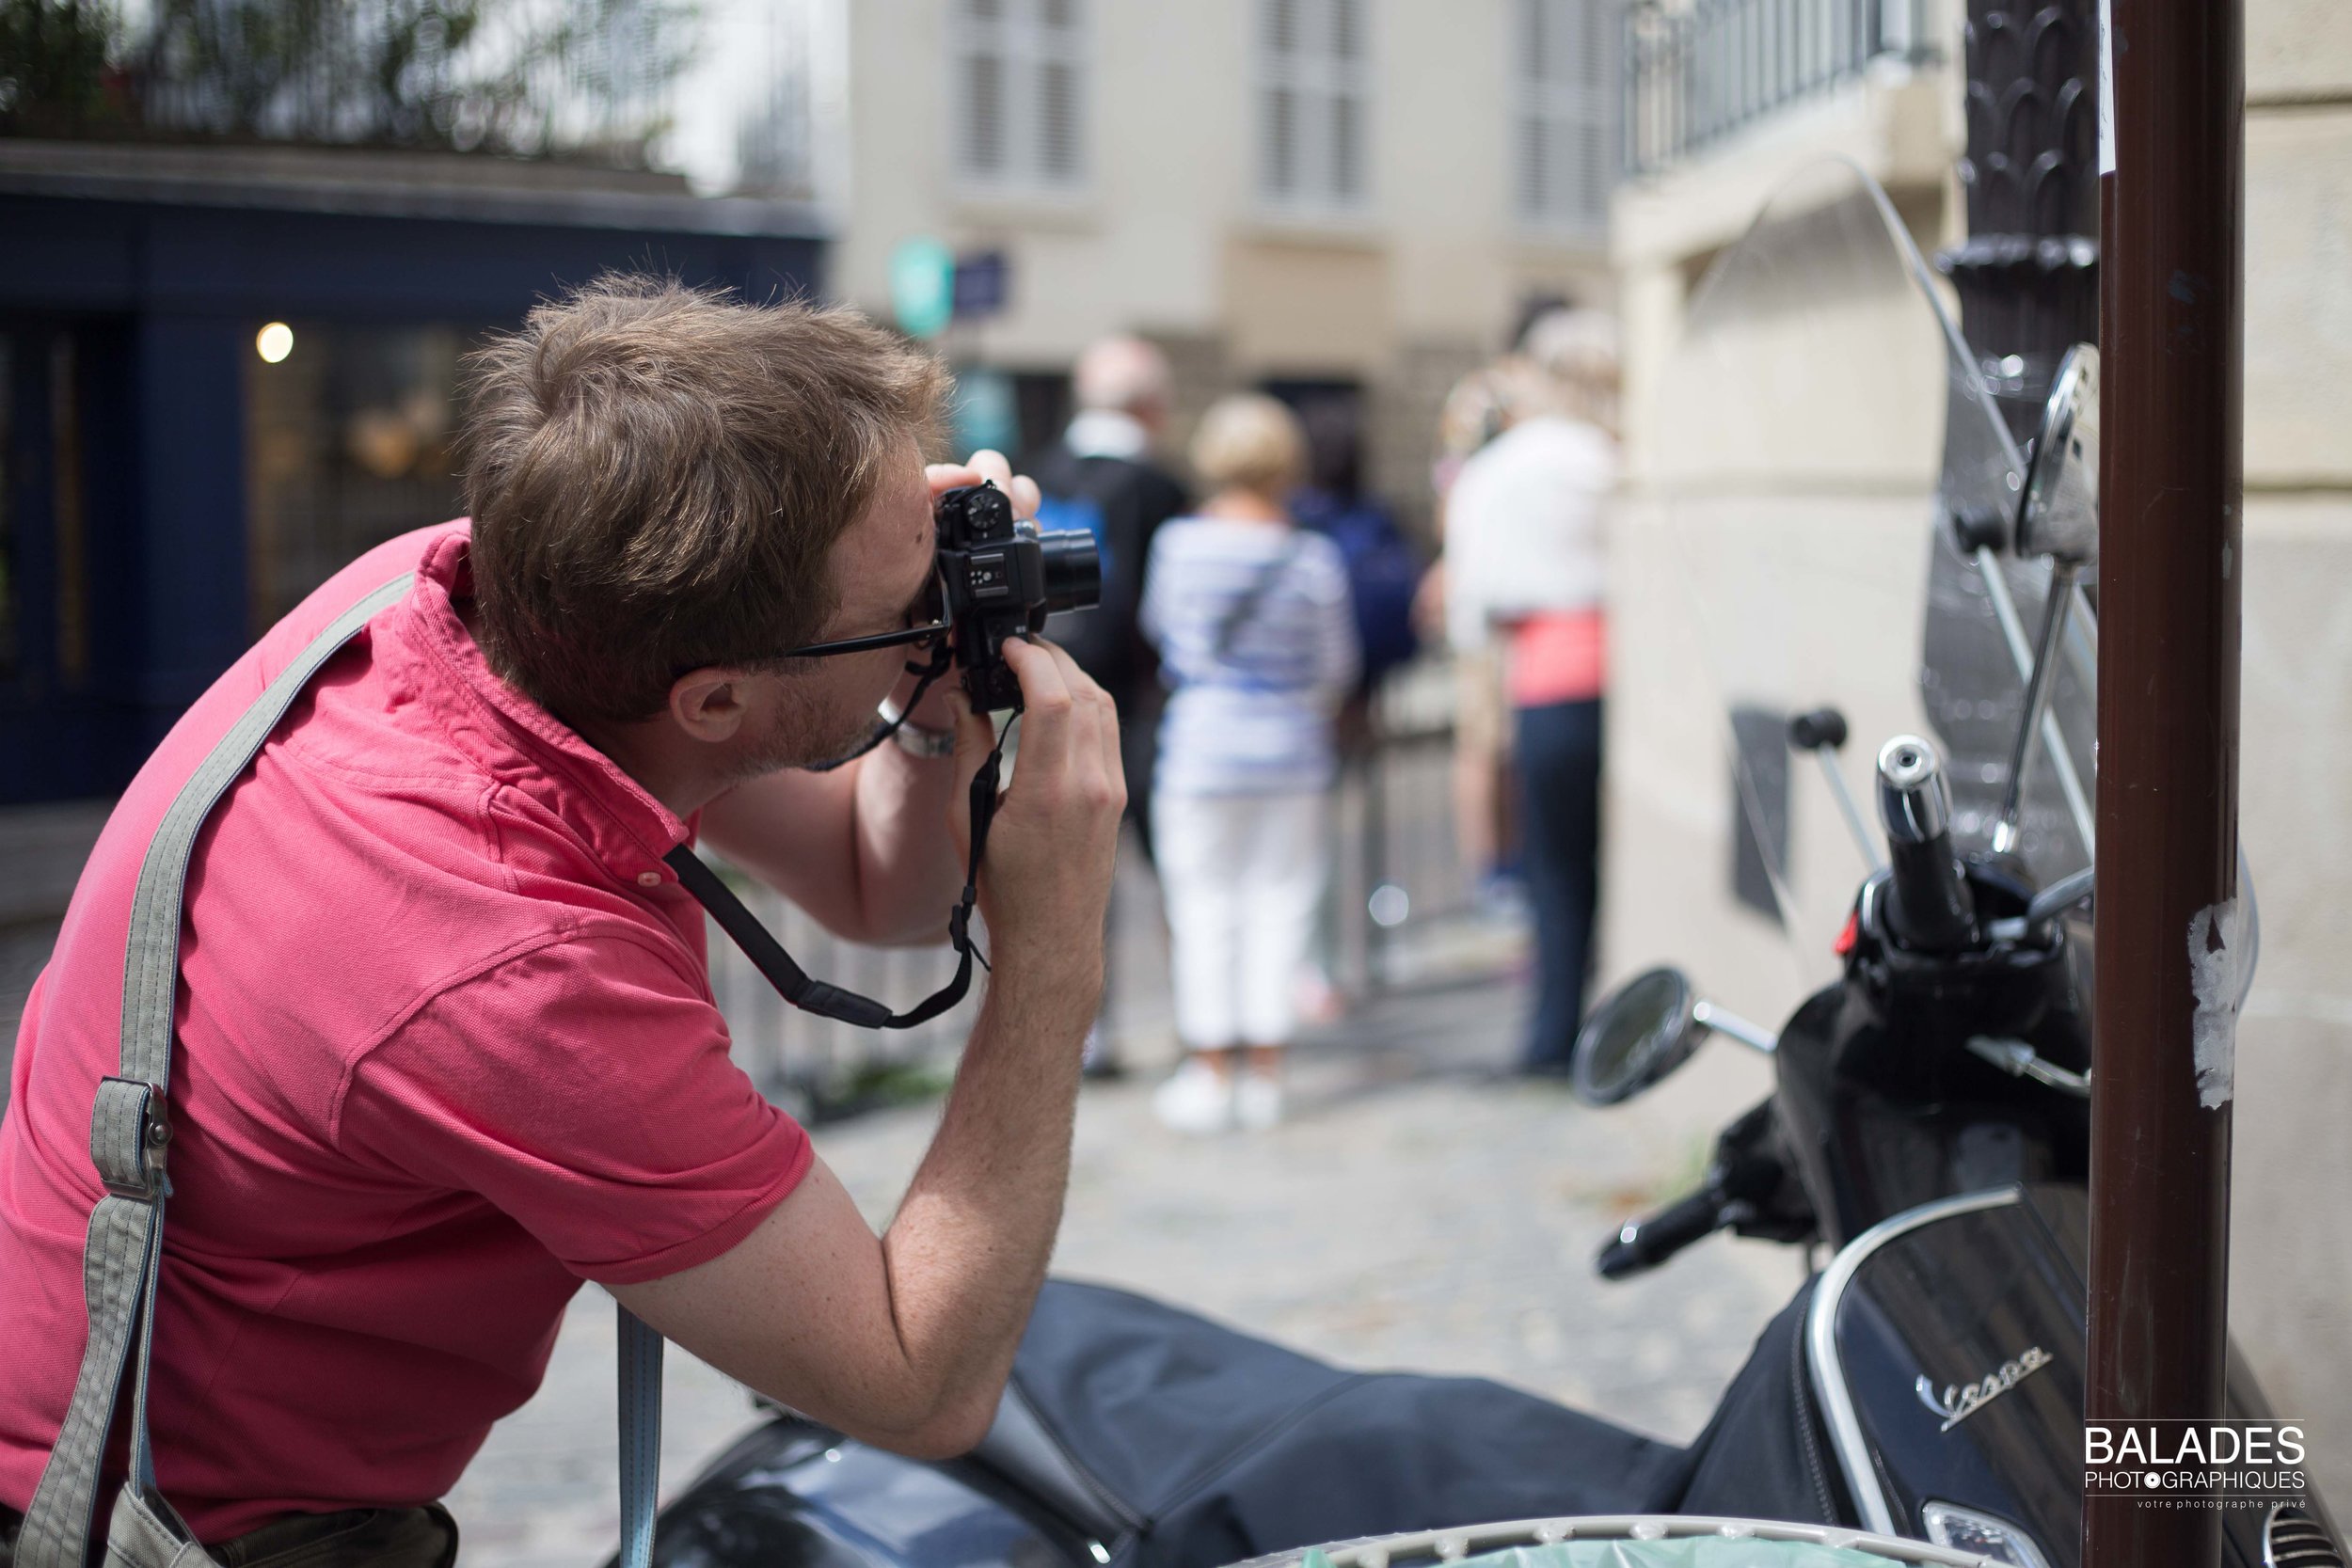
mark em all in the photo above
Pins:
pixel 708 704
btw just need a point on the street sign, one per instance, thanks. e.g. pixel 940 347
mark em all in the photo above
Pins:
pixel 982 281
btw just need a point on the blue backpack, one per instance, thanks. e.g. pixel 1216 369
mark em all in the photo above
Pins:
pixel 1383 572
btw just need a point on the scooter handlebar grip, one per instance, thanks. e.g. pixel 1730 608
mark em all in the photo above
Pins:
pixel 1929 909
pixel 1646 1243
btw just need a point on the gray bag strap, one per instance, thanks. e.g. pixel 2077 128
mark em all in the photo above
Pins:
pixel 641 1436
pixel 131 1134
pixel 1245 610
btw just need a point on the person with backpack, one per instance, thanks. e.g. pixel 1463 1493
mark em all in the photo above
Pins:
pixel 1257 642
pixel 1384 570
pixel 1100 476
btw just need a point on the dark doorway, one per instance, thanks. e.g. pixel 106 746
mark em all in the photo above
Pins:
pixel 1332 411
pixel 1043 405
pixel 62 434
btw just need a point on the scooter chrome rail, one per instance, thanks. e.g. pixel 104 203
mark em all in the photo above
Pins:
pixel 1472 1545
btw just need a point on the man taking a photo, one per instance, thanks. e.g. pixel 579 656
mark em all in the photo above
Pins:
pixel 446 1044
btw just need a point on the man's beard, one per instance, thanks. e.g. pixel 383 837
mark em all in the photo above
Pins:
pixel 806 735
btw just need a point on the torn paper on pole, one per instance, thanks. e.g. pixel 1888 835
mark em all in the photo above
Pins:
pixel 2218 956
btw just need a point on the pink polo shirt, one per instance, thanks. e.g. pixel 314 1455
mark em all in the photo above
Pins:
pixel 447 1048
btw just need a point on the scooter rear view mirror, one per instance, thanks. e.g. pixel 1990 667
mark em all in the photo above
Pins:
pixel 1647 1028
pixel 1640 1031
pixel 2059 514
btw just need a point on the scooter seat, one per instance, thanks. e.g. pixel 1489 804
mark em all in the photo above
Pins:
pixel 1178 1443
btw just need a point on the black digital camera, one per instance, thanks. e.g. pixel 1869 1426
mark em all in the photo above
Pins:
pixel 998 578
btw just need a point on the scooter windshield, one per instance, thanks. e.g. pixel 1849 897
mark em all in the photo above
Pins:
pixel 1815 435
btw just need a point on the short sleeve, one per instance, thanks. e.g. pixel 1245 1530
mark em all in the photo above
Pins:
pixel 586 1090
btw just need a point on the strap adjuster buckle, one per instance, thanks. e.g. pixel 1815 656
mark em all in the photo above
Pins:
pixel 130 1135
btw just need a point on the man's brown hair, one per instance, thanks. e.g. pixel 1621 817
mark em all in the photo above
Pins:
pixel 657 475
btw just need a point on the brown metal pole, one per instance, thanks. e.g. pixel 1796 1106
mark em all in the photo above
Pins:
pixel 2170 568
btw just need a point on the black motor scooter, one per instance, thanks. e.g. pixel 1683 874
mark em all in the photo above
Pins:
pixel 1929 1120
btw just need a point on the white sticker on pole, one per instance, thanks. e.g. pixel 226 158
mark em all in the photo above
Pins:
pixel 2107 86
pixel 2216 974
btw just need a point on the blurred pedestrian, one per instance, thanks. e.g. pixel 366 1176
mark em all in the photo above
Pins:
pixel 1100 476
pixel 1483 829
pixel 1383 567
pixel 1524 550
pixel 1257 646
pixel 1384 570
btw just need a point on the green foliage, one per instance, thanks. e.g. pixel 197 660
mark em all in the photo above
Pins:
pixel 583 79
pixel 53 57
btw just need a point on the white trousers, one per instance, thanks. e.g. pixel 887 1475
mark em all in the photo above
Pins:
pixel 1242 875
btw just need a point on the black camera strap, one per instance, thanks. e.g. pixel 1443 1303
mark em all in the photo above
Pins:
pixel 793 983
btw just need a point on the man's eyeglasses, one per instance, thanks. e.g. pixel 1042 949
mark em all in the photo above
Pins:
pixel 933 627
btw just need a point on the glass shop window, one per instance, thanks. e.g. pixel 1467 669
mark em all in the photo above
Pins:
pixel 348 431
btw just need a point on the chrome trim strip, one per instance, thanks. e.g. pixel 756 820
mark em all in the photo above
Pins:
pixel 1452 1546
pixel 1820 1333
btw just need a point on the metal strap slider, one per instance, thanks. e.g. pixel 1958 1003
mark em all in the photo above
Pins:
pixel 129 1135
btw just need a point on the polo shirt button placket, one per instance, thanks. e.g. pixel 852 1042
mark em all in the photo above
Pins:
pixel 650 879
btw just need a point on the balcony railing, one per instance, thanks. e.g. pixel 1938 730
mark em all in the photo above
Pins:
pixel 1697 74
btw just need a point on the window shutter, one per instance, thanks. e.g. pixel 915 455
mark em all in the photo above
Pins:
pixel 1281 27
pixel 1279 160
pixel 1057 122
pixel 984 125
pixel 1059 97
pixel 1347 101
pixel 1315 119
pixel 1564 82
pixel 982 133
pixel 1019 71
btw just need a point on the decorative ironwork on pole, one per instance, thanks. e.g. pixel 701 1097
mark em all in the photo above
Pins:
pixel 2027 273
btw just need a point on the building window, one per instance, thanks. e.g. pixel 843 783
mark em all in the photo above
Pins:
pixel 1563 60
pixel 1314 121
pixel 1019 93
pixel 347 444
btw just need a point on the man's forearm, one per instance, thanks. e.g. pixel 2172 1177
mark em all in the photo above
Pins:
pixel 967 1252
pixel 908 871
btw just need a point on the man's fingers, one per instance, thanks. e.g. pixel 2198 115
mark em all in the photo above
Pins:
pixel 993 467
pixel 1045 680
pixel 1070 729
pixel 942 477
pixel 989 468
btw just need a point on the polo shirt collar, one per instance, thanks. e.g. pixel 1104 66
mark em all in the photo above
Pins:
pixel 520 742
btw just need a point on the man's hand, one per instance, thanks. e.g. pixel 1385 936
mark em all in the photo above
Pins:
pixel 941 705
pixel 1046 878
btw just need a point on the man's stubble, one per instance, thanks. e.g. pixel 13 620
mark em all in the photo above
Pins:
pixel 805 731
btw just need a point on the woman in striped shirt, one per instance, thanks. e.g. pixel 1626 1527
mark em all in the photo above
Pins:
pixel 1257 644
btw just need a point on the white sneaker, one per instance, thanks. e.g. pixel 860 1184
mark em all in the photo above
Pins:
pixel 1258 1101
pixel 1196 1099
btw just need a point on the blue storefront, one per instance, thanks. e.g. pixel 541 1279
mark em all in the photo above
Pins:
pixel 223 372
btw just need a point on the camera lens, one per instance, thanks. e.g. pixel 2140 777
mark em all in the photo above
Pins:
pixel 1074 569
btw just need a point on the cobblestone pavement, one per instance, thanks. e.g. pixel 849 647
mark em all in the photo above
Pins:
pixel 1415 1212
